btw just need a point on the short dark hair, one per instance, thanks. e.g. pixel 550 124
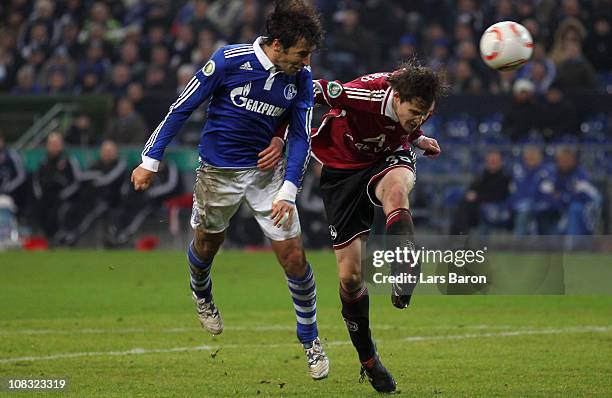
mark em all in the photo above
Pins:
pixel 291 21
pixel 412 80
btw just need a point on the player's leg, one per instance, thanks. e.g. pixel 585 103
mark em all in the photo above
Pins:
pixel 303 290
pixel 287 245
pixel 392 192
pixel 350 214
pixel 200 255
pixel 217 196
pixel 355 312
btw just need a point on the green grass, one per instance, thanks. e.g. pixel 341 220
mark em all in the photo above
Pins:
pixel 62 302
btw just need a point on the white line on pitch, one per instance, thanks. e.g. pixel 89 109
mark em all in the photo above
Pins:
pixel 142 351
pixel 260 328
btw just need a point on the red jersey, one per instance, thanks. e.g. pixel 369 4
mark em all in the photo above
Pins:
pixel 361 128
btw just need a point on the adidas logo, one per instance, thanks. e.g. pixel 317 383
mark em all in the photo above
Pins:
pixel 246 66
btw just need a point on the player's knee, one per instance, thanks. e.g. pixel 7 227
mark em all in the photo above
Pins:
pixel 350 280
pixel 206 247
pixel 293 261
pixel 396 196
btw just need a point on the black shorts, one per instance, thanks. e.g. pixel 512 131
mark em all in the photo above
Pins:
pixel 349 198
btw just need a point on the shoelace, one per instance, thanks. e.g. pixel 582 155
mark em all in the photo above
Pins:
pixel 314 354
pixel 207 308
pixel 362 375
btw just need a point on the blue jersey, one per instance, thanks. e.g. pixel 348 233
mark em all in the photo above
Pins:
pixel 559 190
pixel 249 100
pixel 525 185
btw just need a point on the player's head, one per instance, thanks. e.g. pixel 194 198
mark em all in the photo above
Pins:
pixel 415 91
pixel 293 31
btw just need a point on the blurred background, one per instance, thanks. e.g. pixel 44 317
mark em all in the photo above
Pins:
pixel 84 83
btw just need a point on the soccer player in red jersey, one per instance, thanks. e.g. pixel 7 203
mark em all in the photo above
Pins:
pixel 364 144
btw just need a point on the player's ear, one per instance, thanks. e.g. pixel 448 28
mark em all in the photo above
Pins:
pixel 276 45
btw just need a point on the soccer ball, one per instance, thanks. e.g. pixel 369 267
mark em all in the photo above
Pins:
pixel 506 46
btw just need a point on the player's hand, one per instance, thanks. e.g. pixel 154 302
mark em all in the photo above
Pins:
pixel 269 157
pixel 282 213
pixel 430 146
pixel 142 178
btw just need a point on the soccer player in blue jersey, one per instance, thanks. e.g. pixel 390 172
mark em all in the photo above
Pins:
pixel 252 87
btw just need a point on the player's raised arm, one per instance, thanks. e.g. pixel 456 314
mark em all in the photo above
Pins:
pixel 198 90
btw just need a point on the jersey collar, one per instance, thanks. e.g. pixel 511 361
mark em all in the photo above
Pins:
pixel 261 55
pixel 389 112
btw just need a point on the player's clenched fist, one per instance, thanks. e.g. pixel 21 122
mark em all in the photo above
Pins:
pixel 430 146
pixel 142 178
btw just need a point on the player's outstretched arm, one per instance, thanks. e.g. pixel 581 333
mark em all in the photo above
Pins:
pixel 142 178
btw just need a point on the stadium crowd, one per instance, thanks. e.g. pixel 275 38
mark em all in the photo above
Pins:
pixel 135 50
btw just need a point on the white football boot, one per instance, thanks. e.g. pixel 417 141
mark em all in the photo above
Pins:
pixel 318 363
pixel 209 315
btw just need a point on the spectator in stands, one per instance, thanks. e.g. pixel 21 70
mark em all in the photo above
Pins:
pixel 570 202
pixel 130 55
pixel 557 116
pixel 207 44
pixel 127 126
pixel 69 38
pixel 12 174
pixel 505 82
pixel 161 58
pixel 135 207
pixel 575 72
pixel 539 76
pixel 182 47
pixel 60 61
pixel 120 79
pixel 90 84
pixel 156 37
pixel 463 80
pixel 100 191
pixel 521 118
pixel 484 204
pixel 199 17
pixel 183 76
pixel 598 47
pixel 439 55
pixel 42 16
pixel 100 19
pixel 526 178
pixel 57 83
pixel 570 30
pixel 545 72
pixel 353 46
pixel 54 185
pixel 95 61
pixel 81 132
pixel 26 81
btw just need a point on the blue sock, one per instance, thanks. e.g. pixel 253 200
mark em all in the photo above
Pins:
pixel 304 294
pixel 199 273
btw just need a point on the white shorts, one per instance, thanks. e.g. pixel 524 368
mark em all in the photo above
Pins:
pixel 218 194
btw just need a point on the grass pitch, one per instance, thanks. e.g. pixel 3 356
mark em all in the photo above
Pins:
pixel 123 324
